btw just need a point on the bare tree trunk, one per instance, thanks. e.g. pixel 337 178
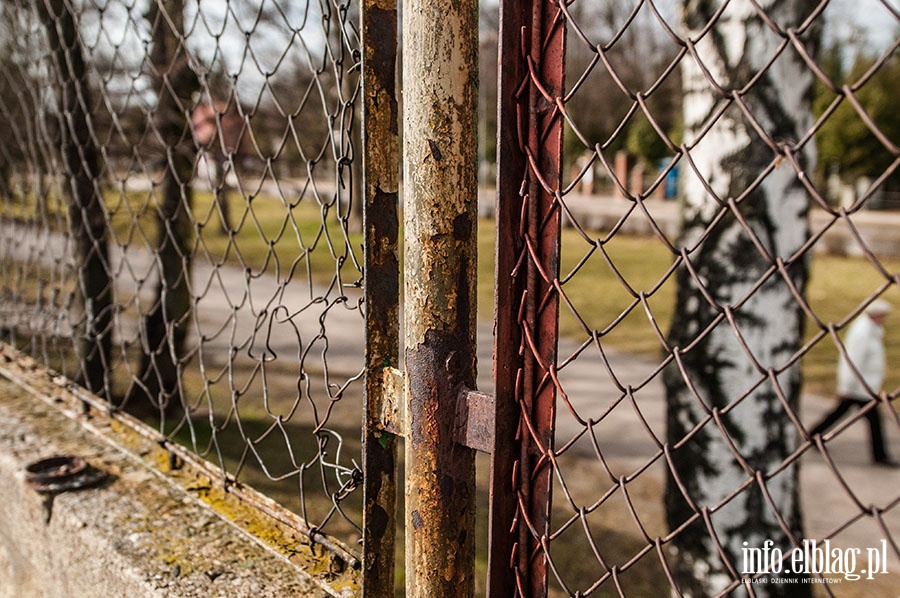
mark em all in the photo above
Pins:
pixel 165 326
pixel 355 223
pixel 727 264
pixel 221 191
pixel 87 220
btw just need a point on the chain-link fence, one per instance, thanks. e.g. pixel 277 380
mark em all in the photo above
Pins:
pixel 692 221
pixel 708 280
pixel 181 230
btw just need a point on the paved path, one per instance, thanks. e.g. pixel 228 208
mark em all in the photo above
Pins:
pixel 250 317
pixel 880 230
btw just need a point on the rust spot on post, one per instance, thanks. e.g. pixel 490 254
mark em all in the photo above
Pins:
pixel 435 152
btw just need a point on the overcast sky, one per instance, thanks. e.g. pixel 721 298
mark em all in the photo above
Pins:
pixel 231 37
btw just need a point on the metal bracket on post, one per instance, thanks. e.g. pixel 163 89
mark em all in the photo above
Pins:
pixel 474 412
pixel 475 420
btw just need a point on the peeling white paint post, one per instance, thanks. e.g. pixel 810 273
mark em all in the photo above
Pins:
pixel 440 79
pixel 728 265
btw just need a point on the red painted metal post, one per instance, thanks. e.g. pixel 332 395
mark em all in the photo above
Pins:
pixel 547 55
pixel 528 221
pixel 514 15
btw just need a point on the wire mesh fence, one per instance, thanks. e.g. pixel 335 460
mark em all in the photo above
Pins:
pixel 181 228
pixel 687 238
pixel 699 338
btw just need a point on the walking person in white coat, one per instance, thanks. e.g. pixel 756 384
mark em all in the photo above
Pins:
pixel 861 374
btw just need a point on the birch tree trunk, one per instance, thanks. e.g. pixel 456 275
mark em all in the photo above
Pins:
pixel 719 379
pixel 87 220
pixel 164 328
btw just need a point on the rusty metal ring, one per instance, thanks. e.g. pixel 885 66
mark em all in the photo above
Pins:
pixel 55 468
pixel 61 473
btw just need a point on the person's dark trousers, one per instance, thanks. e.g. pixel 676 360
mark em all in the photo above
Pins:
pixel 879 454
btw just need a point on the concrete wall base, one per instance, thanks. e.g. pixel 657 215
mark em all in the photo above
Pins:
pixel 139 532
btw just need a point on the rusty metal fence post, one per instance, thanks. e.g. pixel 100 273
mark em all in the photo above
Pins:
pixel 440 75
pixel 382 267
pixel 532 38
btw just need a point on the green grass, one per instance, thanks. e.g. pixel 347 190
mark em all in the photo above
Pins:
pixel 602 292
pixel 22 205
pixel 268 233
